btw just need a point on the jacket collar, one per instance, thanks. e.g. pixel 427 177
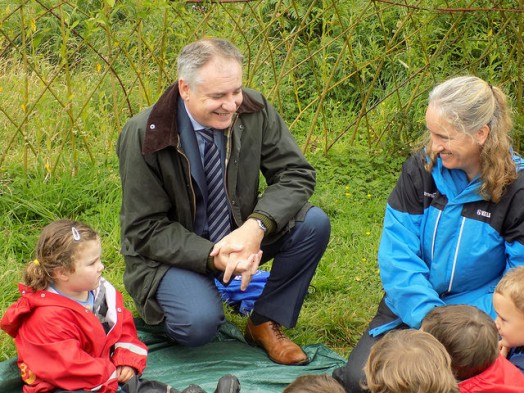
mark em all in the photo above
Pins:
pixel 161 129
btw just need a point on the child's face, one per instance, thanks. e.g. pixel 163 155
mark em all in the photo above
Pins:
pixel 509 321
pixel 88 269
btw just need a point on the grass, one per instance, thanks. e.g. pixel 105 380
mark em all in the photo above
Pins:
pixel 352 188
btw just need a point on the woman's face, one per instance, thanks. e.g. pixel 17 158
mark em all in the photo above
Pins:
pixel 456 149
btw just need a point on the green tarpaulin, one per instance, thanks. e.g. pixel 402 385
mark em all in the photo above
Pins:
pixel 228 354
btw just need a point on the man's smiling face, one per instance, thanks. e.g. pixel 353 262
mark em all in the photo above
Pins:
pixel 216 94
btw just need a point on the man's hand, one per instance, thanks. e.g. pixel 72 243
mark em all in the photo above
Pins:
pixel 239 252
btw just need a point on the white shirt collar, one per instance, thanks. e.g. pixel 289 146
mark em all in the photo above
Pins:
pixel 196 125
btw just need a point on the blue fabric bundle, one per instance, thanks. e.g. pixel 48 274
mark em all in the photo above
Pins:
pixel 243 300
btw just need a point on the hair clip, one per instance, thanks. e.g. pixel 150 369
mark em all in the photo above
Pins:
pixel 76 234
pixel 36 262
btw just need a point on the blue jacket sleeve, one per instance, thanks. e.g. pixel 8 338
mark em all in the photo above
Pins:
pixel 404 273
pixel 513 227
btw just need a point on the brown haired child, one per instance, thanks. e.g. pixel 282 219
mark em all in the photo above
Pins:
pixel 470 337
pixel 71 329
pixel 314 383
pixel 409 361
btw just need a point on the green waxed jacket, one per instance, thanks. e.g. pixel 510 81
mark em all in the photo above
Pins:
pixel 158 197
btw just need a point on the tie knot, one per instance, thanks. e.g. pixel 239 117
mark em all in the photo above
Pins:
pixel 207 134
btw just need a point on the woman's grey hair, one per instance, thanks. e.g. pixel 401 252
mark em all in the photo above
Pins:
pixel 466 102
pixel 197 54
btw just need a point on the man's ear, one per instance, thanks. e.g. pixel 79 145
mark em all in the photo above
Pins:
pixel 482 134
pixel 183 88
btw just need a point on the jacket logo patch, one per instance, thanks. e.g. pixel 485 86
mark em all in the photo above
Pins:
pixel 483 213
pixel 430 195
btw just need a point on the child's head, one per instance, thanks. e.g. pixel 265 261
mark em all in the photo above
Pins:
pixel 508 301
pixel 64 246
pixel 314 383
pixel 468 334
pixel 409 361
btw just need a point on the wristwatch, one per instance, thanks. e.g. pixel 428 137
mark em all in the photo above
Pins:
pixel 261 225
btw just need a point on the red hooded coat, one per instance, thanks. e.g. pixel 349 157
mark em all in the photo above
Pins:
pixel 62 344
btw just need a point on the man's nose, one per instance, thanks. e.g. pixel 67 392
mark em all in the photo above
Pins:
pixel 230 105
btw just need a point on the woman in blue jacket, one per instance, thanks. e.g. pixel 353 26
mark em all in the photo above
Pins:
pixel 454 223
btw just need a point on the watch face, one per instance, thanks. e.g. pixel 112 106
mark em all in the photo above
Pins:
pixel 261 225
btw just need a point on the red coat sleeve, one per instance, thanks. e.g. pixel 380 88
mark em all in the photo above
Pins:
pixel 129 350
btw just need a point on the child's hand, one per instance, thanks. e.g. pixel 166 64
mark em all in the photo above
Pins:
pixel 503 350
pixel 125 373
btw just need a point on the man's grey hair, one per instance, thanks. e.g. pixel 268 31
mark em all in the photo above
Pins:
pixel 197 54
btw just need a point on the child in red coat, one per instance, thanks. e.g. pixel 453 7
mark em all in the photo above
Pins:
pixel 470 336
pixel 71 329
pixel 70 326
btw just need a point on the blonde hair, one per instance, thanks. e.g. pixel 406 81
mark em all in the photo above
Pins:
pixel 409 361
pixel 468 103
pixel 512 286
pixel 56 248
pixel 469 335
pixel 314 383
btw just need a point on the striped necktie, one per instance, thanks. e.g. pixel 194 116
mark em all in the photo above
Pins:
pixel 217 203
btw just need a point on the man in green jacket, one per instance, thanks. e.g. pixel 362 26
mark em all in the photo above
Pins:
pixel 168 217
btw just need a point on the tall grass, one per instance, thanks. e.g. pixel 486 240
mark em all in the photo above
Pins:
pixel 333 68
pixel 349 77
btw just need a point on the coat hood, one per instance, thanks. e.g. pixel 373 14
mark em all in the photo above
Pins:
pixel 18 311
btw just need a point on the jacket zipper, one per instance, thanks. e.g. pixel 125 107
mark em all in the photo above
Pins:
pixel 229 134
pixel 228 144
pixel 435 236
pixel 456 254
pixel 450 286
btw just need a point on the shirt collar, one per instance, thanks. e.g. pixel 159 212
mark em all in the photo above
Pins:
pixel 196 125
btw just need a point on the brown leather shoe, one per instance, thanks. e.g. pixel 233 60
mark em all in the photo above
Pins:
pixel 279 347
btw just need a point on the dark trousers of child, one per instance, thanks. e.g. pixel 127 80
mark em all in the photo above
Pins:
pixel 226 384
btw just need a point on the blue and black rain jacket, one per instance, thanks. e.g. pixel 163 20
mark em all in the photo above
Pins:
pixel 442 243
